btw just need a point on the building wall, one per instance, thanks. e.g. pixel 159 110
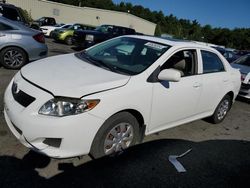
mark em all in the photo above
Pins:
pixel 91 16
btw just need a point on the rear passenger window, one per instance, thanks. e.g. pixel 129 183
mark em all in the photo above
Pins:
pixel 4 27
pixel 211 62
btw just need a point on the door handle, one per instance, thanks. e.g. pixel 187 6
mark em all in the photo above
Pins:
pixel 225 80
pixel 197 85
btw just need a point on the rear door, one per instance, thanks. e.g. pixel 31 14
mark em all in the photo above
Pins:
pixel 215 81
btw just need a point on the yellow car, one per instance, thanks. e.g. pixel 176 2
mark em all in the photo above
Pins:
pixel 66 35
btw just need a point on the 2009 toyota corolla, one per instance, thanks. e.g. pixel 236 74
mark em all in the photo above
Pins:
pixel 105 99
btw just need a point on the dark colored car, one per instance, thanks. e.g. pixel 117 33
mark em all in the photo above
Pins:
pixel 13 13
pixel 44 21
pixel 85 39
pixel 229 55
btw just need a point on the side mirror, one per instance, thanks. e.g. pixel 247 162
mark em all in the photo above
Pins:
pixel 170 75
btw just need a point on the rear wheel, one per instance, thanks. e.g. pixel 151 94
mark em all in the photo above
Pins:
pixel 222 110
pixel 13 58
pixel 68 40
pixel 118 133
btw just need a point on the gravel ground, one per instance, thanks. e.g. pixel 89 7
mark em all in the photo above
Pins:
pixel 220 155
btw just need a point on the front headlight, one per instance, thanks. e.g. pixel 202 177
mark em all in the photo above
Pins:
pixel 89 37
pixel 65 106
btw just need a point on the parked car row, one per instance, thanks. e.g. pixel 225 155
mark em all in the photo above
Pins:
pixel 84 36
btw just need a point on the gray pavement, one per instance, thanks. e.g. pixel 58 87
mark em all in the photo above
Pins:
pixel 220 155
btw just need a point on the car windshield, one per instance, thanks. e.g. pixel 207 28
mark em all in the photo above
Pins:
pixel 104 28
pixel 245 60
pixel 125 55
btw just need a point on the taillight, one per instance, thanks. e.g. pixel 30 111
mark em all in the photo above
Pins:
pixel 39 38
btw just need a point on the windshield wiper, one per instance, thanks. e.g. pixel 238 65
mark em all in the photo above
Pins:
pixel 101 63
pixel 97 62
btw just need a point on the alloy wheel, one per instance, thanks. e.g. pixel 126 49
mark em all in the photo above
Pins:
pixel 13 58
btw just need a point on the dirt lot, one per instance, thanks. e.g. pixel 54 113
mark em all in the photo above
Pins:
pixel 220 155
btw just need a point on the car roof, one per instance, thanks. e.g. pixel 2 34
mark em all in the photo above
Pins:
pixel 172 42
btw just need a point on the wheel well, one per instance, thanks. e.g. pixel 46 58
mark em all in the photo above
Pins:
pixel 231 94
pixel 140 120
pixel 17 47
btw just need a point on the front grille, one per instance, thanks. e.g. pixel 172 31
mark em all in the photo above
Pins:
pixel 21 97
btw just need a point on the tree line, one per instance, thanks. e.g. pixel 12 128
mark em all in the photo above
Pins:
pixel 238 38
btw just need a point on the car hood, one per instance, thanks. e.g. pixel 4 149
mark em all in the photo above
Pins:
pixel 243 68
pixel 69 76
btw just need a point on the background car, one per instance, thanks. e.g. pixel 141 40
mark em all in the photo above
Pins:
pixel 44 21
pixel 47 29
pixel 13 13
pixel 243 64
pixel 19 44
pixel 85 39
pixel 66 34
pixel 228 54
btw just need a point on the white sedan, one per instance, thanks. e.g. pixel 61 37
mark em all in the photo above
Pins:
pixel 105 99
pixel 48 29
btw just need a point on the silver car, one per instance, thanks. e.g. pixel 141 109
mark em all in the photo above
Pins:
pixel 19 44
pixel 243 63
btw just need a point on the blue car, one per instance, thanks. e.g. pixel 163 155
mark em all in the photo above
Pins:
pixel 19 44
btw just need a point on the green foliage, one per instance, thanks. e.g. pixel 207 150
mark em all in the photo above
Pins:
pixel 27 15
pixel 238 38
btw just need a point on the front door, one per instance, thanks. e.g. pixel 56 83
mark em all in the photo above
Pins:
pixel 176 101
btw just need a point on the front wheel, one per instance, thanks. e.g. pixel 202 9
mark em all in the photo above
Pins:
pixel 221 110
pixel 118 133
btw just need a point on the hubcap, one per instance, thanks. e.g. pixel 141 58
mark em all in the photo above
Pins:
pixel 223 108
pixel 13 58
pixel 119 138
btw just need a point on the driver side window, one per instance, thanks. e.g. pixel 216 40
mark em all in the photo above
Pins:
pixel 184 61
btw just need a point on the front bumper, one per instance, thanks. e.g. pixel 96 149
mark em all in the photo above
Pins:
pixel 74 134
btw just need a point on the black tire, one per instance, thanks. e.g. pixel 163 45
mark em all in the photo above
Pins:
pixel 68 40
pixel 218 117
pixel 98 149
pixel 13 58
